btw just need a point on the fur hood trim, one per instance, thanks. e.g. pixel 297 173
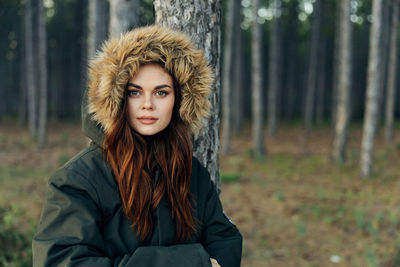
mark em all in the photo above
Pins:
pixel 120 59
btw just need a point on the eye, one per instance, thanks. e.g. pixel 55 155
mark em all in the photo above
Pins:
pixel 161 93
pixel 133 93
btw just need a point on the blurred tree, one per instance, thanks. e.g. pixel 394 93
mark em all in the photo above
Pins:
pixel 257 85
pixel 320 86
pixel 384 49
pixel 30 68
pixel 42 66
pixel 237 77
pixel 123 16
pixel 200 20
pixel 373 86
pixel 312 66
pixel 291 38
pixel 22 110
pixel 391 83
pixel 97 25
pixel 343 83
pixel 227 76
pixel 274 70
pixel 335 79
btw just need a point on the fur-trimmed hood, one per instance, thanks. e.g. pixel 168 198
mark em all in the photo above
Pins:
pixel 119 59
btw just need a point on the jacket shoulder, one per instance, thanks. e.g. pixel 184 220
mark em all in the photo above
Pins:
pixel 87 171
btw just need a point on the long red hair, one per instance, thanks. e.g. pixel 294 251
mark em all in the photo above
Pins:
pixel 134 158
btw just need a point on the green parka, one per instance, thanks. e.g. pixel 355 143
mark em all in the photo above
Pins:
pixel 83 223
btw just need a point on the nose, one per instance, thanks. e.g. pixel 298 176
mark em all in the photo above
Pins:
pixel 147 102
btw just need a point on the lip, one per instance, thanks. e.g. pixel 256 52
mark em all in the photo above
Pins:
pixel 147 120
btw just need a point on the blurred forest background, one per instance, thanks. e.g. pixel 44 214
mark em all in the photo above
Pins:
pixel 308 109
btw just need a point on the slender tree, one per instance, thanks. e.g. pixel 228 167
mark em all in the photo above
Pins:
pixel 257 85
pixel 200 20
pixel 226 78
pixel 384 49
pixel 97 25
pixel 320 107
pixel 237 79
pixel 372 97
pixel 123 16
pixel 22 83
pixel 344 83
pixel 312 67
pixel 391 84
pixel 292 59
pixel 30 77
pixel 274 69
pixel 42 64
pixel 335 79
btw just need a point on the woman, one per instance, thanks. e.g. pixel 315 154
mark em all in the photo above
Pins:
pixel 136 196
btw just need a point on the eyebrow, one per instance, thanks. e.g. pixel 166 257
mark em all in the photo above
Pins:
pixel 157 87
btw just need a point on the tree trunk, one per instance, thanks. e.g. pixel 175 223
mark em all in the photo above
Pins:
pixel 312 68
pixel 335 78
pixel 84 48
pixel 321 88
pixel 30 77
pixel 291 86
pixel 226 78
pixel 42 66
pixel 22 111
pixel 97 33
pixel 257 85
pixel 343 84
pixel 373 86
pixel 97 25
pixel 123 16
pixel 390 96
pixel 291 90
pixel 237 86
pixel 384 55
pixel 200 20
pixel 274 70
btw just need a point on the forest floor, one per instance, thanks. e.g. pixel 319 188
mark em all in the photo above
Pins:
pixel 294 207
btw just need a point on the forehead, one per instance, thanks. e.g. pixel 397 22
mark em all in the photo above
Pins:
pixel 152 72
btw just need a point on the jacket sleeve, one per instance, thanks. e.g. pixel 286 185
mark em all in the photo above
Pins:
pixel 69 233
pixel 221 238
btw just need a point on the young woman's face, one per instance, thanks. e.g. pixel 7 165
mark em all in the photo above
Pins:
pixel 150 99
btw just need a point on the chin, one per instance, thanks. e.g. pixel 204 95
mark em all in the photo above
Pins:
pixel 149 132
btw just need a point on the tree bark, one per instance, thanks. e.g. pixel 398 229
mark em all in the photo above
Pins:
pixel 30 77
pixel 321 88
pixel 390 96
pixel 257 85
pixel 22 110
pixel 274 71
pixel 123 16
pixel 373 86
pixel 84 47
pixel 312 68
pixel 97 25
pixel 343 84
pixel 42 66
pixel 384 55
pixel 291 86
pixel 226 79
pixel 237 86
pixel 335 67
pixel 201 21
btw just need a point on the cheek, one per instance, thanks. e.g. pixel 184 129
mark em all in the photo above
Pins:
pixel 171 106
